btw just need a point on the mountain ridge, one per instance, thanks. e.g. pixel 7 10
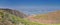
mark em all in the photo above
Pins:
pixel 15 12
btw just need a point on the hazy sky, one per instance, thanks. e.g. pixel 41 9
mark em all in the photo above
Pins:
pixel 31 6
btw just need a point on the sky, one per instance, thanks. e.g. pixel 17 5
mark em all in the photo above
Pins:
pixel 31 6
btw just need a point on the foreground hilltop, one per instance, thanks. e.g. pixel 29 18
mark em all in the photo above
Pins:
pixel 11 17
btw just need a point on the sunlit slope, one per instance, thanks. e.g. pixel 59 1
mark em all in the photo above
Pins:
pixel 49 18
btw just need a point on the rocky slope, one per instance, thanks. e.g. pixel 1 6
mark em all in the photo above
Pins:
pixel 14 12
pixel 8 18
pixel 11 17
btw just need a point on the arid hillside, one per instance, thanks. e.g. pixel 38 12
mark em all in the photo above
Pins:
pixel 49 18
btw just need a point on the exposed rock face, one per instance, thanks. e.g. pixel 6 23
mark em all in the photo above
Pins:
pixel 15 12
